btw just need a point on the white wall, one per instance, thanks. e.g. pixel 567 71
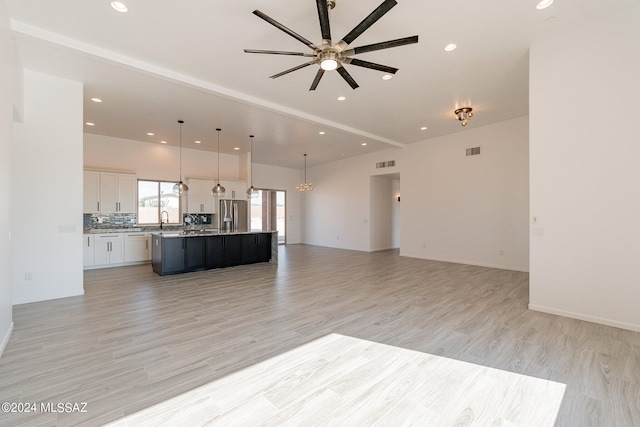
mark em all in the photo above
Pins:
pixel 453 208
pixel 585 175
pixel 7 84
pixel 337 212
pixel 156 161
pixel 47 191
pixel 469 210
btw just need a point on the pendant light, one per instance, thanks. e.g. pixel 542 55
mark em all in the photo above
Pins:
pixel 307 186
pixel 252 193
pixel 180 187
pixel 218 190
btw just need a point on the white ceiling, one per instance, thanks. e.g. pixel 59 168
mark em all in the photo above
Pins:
pixel 168 60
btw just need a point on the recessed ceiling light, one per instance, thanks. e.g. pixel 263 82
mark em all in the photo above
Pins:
pixel 96 99
pixel 341 98
pixel 197 142
pixel 90 124
pixel 321 132
pixel 236 148
pixel 450 47
pixel 423 128
pixel 364 143
pixel 119 6
pixel 150 133
pixel 163 142
pixel 387 77
pixel 543 4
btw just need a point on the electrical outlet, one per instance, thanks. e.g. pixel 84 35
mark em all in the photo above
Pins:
pixel 534 220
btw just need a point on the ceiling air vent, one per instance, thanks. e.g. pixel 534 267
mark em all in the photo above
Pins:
pixel 473 151
pixel 386 164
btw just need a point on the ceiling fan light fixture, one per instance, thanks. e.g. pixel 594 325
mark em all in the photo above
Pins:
pixel 329 60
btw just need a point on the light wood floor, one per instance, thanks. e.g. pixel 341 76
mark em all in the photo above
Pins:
pixel 136 339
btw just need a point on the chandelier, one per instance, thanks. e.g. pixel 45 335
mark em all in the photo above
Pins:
pixel 464 115
pixel 306 186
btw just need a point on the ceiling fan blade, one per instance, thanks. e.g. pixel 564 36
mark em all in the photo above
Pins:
pixel 323 15
pixel 285 29
pixel 382 45
pixel 319 75
pixel 279 52
pixel 347 77
pixel 367 64
pixel 306 64
pixel 369 21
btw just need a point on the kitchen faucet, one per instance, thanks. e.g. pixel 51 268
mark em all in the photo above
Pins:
pixel 161 217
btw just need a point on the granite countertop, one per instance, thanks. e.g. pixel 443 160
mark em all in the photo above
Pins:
pixel 196 233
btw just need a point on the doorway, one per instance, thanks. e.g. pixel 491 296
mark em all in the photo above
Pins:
pixel 385 212
pixel 268 212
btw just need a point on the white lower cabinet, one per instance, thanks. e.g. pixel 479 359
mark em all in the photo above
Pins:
pixel 137 247
pixel 115 249
pixel 88 250
pixel 109 249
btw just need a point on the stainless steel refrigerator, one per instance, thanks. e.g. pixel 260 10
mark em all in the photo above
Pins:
pixel 233 215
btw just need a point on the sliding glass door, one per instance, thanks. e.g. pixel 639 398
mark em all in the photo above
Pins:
pixel 268 212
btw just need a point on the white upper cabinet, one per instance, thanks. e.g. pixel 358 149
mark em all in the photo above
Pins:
pixel 109 192
pixel 199 197
pixel 127 192
pixel 236 190
pixel 91 192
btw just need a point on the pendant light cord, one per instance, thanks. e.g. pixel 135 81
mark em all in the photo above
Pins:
pixel 218 130
pixel 180 121
pixel 251 136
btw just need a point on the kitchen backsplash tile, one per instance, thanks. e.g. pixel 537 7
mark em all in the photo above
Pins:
pixel 114 220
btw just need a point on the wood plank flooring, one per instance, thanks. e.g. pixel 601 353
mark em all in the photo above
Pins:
pixel 346 381
pixel 135 339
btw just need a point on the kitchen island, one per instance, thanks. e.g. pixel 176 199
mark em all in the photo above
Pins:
pixel 175 252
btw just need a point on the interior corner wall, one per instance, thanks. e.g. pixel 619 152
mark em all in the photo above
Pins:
pixel 8 66
pixel 584 173
pixel 47 191
pixel 337 212
pixel 468 209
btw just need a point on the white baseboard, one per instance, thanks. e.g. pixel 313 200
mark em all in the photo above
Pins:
pixel 5 340
pixel 586 318
pixel 477 264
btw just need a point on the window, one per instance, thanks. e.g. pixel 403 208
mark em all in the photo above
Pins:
pixel 155 197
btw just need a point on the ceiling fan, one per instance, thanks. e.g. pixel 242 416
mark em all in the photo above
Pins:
pixel 332 56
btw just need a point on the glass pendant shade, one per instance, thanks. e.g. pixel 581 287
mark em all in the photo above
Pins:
pixel 180 187
pixel 218 190
pixel 252 193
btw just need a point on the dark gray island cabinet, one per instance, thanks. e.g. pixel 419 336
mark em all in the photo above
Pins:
pixel 175 252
